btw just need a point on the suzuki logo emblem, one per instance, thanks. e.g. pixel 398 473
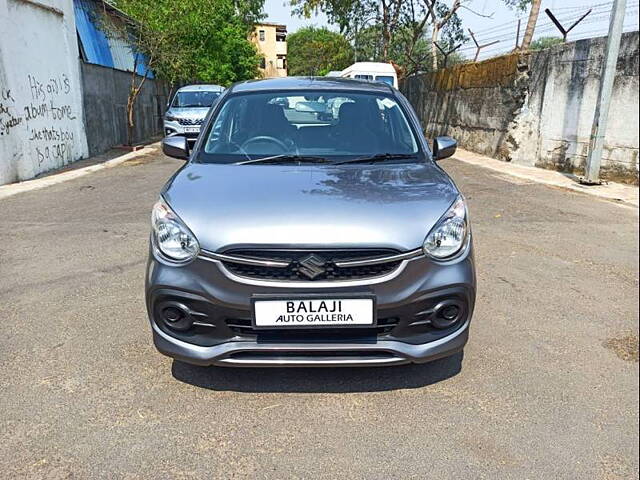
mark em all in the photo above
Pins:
pixel 312 266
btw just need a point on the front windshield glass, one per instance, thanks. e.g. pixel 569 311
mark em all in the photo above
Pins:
pixel 194 99
pixel 329 125
pixel 385 79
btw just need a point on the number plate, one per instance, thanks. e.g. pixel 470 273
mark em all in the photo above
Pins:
pixel 311 312
pixel 191 129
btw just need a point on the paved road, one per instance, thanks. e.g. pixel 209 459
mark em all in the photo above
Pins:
pixel 545 388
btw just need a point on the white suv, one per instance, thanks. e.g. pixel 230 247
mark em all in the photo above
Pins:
pixel 188 108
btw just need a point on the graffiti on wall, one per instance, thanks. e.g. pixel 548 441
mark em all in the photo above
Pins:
pixel 8 118
pixel 44 123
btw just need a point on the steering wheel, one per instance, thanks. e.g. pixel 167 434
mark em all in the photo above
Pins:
pixel 264 138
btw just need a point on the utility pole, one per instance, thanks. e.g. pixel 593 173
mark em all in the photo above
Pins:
pixel 594 159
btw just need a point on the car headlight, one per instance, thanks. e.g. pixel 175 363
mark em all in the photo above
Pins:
pixel 170 118
pixel 171 236
pixel 449 235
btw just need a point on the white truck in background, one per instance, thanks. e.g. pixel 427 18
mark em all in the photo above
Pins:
pixel 371 71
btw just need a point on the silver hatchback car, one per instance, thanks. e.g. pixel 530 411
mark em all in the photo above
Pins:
pixel 310 226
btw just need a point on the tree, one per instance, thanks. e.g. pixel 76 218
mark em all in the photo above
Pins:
pixel 186 41
pixel 531 24
pixel 402 26
pixel 522 5
pixel 398 23
pixel 407 23
pixel 412 55
pixel 316 51
pixel 545 42
pixel 441 15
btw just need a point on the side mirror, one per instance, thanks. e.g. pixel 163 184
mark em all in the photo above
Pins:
pixel 175 146
pixel 444 147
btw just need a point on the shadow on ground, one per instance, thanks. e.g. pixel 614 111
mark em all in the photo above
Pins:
pixel 318 380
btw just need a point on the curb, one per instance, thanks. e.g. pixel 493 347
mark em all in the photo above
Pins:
pixel 617 193
pixel 38 183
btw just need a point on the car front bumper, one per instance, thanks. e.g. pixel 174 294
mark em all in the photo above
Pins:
pixel 175 128
pixel 217 297
pixel 257 354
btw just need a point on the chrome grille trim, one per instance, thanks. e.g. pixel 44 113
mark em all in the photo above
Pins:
pixel 211 256
pixel 363 262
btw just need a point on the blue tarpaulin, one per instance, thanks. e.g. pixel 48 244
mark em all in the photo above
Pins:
pixel 98 48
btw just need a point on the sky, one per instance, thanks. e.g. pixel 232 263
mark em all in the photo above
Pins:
pixel 499 22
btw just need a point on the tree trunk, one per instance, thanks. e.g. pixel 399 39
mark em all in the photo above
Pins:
pixel 131 101
pixel 134 91
pixel 385 47
pixel 131 104
pixel 531 24
pixel 385 30
pixel 434 49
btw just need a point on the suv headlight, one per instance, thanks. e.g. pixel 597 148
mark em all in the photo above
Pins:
pixel 170 118
pixel 449 235
pixel 171 236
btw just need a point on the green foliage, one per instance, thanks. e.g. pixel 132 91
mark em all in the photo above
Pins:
pixel 395 30
pixel 317 51
pixel 452 31
pixel 196 41
pixel 520 5
pixel 344 13
pixel 545 42
pixel 417 59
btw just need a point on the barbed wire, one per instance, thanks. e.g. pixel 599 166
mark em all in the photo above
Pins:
pixel 563 17
pixel 505 33
pixel 580 7
pixel 629 25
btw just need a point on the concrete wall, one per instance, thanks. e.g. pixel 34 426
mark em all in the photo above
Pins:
pixel 105 92
pixel 40 90
pixel 536 109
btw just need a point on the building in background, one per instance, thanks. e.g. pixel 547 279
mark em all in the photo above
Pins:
pixel 271 40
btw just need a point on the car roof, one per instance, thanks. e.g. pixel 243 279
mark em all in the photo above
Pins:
pixel 201 88
pixel 371 66
pixel 310 83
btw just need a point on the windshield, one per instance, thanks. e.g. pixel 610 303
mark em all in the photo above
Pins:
pixel 385 79
pixel 194 99
pixel 330 125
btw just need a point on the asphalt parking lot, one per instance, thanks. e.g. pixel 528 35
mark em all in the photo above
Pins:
pixel 546 388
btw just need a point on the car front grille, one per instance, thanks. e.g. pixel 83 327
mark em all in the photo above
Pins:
pixel 190 121
pixel 325 260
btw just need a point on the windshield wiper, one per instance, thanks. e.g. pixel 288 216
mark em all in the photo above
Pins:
pixel 286 158
pixel 380 157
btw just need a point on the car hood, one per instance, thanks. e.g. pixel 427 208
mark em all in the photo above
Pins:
pixel 390 206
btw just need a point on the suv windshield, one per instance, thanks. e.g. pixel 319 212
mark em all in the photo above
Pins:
pixel 329 125
pixel 194 99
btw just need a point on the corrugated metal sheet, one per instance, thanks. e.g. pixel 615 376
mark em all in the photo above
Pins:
pixel 108 51
pixel 94 42
pixel 122 54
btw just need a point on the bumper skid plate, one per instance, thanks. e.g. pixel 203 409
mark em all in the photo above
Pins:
pixel 254 354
